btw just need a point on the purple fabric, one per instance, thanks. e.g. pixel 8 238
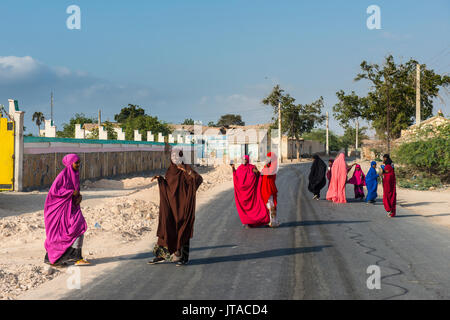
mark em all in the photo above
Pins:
pixel 64 221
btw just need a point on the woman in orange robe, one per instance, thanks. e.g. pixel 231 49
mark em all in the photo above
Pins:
pixel 336 189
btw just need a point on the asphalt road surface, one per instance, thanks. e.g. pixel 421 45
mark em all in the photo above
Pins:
pixel 321 251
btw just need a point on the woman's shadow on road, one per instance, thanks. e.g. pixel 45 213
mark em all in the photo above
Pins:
pixel 258 255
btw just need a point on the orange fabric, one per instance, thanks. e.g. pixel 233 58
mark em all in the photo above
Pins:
pixel 336 189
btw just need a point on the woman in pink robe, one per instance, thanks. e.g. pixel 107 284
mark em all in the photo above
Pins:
pixel 336 188
pixel 64 221
pixel 247 194
pixel 359 181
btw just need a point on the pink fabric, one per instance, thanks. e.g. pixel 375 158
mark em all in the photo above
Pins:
pixel 359 178
pixel 64 222
pixel 248 198
pixel 336 189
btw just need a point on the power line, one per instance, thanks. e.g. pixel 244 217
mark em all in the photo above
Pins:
pixel 433 59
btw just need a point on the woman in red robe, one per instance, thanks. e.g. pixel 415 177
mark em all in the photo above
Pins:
pixel 247 194
pixel 389 188
pixel 269 188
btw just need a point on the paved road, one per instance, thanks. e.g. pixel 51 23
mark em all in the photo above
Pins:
pixel 321 251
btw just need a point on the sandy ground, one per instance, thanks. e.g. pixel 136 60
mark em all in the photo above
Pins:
pixel 121 215
pixel 434 205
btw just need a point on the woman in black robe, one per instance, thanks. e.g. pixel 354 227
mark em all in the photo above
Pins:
pixel 317 178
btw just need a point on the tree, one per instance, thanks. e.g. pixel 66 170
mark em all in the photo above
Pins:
pixel 321 136
pixel 188 121
pixel 394 85
pixel 296 119
pixel 350 107
pixel 230 119
pixel 133 118
pixel 211 124
pixel 349 137
pixel 69 128
pixel 111 133
pixel 38 118
pixel 132 111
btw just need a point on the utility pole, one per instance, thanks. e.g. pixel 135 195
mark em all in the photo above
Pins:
pixel 99 119
pixel 327 136
pixel 357 132
pixel 279 132
pixel 51 107
pixel 388 118
pixel 418 119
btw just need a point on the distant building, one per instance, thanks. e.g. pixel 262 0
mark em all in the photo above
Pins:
pixel 435 121
pixel 372 149
pixel 223 144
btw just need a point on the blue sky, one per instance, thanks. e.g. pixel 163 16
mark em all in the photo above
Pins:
pixel 201 59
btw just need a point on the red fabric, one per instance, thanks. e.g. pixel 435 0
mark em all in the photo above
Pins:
pixel 389 190
pixel 247 195
pixel 268 186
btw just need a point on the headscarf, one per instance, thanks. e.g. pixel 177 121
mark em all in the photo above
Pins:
pixel 175 156
pixel 271 166
pixel 246 157
pixel 68 161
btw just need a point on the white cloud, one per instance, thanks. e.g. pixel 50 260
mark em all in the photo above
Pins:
pixel 17 68
pixel 31 81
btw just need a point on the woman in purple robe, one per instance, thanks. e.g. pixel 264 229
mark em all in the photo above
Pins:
pixel 64 221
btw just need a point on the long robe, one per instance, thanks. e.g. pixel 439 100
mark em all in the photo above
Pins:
pixel 269 176
pixel 389 189
pixel 316 177
pixel 177 207
pixel 371 183
pixel 336 189
pixel 64 221
pixel 359 181
pixel 247 194
pixel 329 171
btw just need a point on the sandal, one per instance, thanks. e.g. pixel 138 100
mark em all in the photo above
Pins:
pixel 82 262
pixel 156 260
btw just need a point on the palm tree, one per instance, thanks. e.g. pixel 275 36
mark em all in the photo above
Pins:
pixel 38 117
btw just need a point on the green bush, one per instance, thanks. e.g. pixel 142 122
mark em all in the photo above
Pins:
pixel 429 155
pixel 419 182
